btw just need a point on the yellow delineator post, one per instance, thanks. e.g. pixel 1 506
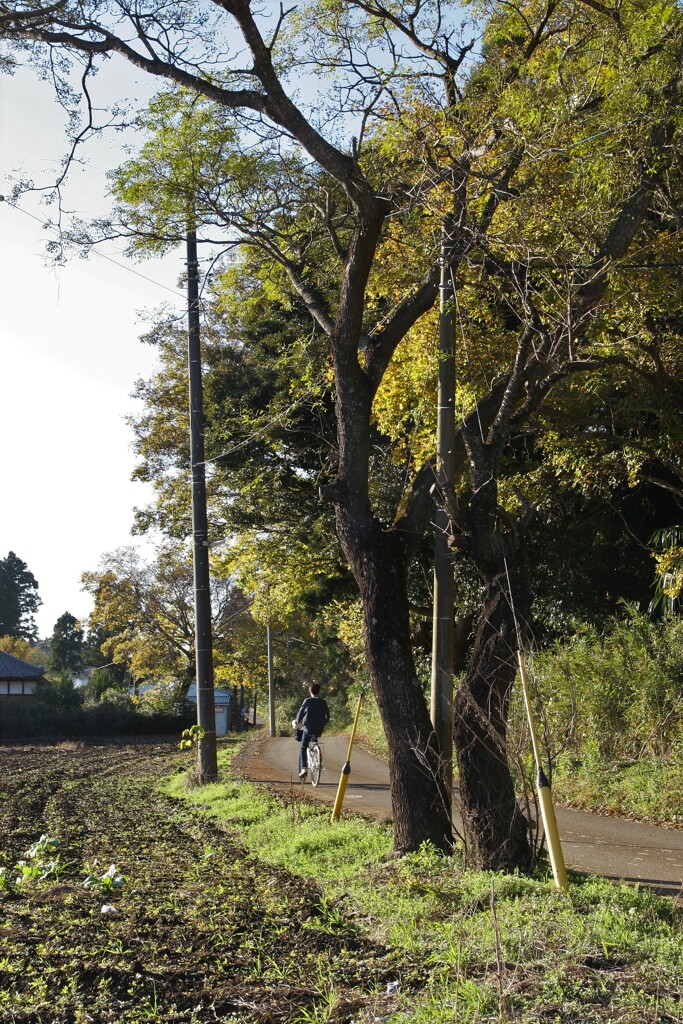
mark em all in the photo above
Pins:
pixel 545 797
pixel 346 770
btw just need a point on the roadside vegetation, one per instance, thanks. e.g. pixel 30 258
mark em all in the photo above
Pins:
pixel 609 700
pixel 612 704
pixel 227 904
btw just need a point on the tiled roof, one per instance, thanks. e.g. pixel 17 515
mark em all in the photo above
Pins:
pixel 15 668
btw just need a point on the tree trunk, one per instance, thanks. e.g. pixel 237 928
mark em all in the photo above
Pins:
pixel 496 831
pixel 421 805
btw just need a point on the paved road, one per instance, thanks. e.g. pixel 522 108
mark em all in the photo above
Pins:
pixel 592 843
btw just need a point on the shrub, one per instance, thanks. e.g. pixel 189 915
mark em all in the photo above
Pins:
pixel 617 695
pixel 167 697
pixel 36 721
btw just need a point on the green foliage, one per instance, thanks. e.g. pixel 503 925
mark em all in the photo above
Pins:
pixel 649 789
pixel 166 697
pixel 117 698
pixel 66 646
pixel 60 694
pixel 19 600
pixel 101 679
pixel 115 715
pixel 269 428
pixel 194 168
pixel 611 704
pixel 669 567
pixel 619 692
pixel 111 879
pixel 589 555
pixel 191 737
pixel 269 434
pixel 40 863
pixel 24 649
pixel 144 613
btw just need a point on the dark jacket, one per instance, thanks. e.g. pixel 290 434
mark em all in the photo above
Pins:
pixel 313 715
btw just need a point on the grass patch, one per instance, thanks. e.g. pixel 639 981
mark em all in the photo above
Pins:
pixel 292 832
pixel 649 790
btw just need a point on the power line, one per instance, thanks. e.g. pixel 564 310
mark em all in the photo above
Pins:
pixel 122 266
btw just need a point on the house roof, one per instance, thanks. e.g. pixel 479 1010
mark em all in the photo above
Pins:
pixel 219 696
pixel 15 668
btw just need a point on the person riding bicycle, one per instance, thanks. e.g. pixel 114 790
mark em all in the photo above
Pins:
pixel 312 717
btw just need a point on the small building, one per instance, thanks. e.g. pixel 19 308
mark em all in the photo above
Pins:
pixel 223 702
pixel 19 679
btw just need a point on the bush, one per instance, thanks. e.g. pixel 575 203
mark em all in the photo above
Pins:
pixel 59 695
pixel 115 698
pixel 40 721
pixel 169 698
pixel 103 678
pixel 619 693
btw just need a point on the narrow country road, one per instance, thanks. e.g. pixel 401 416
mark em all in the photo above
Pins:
pixel 592 843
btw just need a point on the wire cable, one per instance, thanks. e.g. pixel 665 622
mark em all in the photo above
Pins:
pixel 103 256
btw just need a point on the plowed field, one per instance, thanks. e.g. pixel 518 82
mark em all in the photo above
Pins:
pixel 198 931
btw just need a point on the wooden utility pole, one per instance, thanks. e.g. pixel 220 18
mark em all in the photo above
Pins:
pixel 271 684
pixel 442 627
pixel 206 712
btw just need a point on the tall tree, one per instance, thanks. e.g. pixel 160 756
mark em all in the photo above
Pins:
pixel 543 214
pixel 19 600
pixel 66 646
pixel 144 612
pixel 23 649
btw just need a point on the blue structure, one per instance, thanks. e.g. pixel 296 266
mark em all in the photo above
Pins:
pixel 223 702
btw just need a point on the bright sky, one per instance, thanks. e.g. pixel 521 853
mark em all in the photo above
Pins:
pixel 69 357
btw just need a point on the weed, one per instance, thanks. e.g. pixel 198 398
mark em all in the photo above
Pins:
pixel 321 1013
pixel 191 737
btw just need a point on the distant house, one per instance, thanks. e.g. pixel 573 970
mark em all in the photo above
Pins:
pixel 223 702
pixel 18 679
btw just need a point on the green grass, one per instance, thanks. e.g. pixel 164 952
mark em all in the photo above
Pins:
pixel 292 832
pixel 469 946
pixel 650 789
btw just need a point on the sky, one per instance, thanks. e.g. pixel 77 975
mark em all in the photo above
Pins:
pixel 69 357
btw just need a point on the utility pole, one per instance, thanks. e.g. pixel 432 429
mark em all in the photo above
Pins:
pixel 442 625
pixel 206 712
pixel 271 685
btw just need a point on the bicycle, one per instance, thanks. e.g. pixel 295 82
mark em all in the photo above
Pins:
pixel 315 760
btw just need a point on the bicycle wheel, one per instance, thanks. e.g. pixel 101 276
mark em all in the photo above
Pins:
pixel 315 763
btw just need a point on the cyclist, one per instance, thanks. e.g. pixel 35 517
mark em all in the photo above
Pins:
pixel 312 717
